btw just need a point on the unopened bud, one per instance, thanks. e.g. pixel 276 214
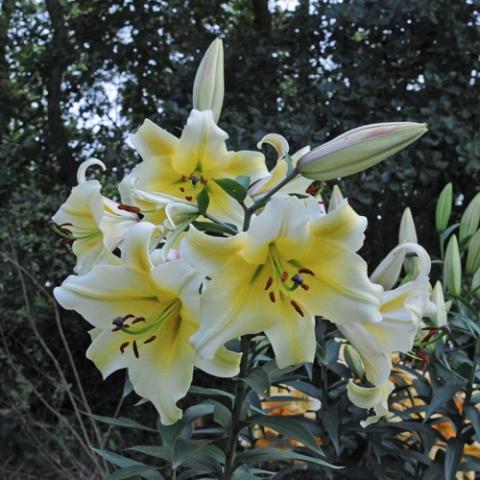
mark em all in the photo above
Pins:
pixel 354 361
pixel 470 219
pixel 452 267
pixel 444 208
pixel 359 149
pixel 208 87
pixel 473 255
pixel 336 198
pixel 476 283
pixel 408 234
pixel 439 318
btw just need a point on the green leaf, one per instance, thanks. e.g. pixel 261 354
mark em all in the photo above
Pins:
pixel 210 392
pixel 474 416
pixel 222 415
pixel 258 380
pixel 244 181
pixel 267 455
pixel 124 462
pixel 233 188
pixel 331 422
pixel 453 455
pixel 286 425
pixel 440 397
pixel 184 447
pixel 208 459
pixel 120 422
pixel 215 227
pixel 164 453
pixel 202 201
pixel 132 471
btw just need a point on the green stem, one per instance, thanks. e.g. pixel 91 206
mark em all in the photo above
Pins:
pixel 240 392
pixel 262 201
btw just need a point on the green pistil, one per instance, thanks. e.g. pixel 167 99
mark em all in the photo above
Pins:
pixel 172 309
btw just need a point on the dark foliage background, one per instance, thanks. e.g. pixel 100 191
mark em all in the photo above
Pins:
pixel 77 77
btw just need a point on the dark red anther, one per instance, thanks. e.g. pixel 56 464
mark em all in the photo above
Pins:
pixel 272 296
pixel 306 270
pixel 123 346
pixel 269 283
pixel 138 320
pixel 305 286
pixel 189 198
pixel 66 241
pixel 135 349
pixel 129 208
pixel 296 306
pixel 203 180
pixel 181 189
pixel 425 357
pixel 313 189
pixel 284 276
pixel 149 340
pixel 184 178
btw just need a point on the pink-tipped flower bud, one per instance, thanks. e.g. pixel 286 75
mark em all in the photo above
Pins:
pixel 359 149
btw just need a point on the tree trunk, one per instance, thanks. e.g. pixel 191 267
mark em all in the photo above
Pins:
pixel 262 16
pixel 57 62
pixel 5 94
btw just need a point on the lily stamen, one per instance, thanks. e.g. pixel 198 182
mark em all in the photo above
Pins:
pixel 269 283
pixel 307 271
pixel 135 349
pixel 123 346
pixel 296 306
pixel 272 296
pixel 149 340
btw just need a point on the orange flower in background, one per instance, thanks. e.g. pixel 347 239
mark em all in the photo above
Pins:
pixel 285 401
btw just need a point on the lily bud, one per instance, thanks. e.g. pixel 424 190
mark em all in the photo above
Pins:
pixel 439 318
pixel 452 267
pixel 353 360
pixel 208 87
pixel 408 234
pixel 444 208
pixel 473 256
pixel 476 283
pixel 359 149
pixel 470 219
pixel 336 198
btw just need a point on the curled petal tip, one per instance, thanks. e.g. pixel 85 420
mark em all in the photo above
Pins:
pixel 82 169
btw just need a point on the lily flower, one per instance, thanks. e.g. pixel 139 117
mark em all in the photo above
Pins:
pixel 178 169
pixel 402 310
pixel 281 169
pixel 144 315
pixel 94 224
pixel 290 266
pixel 376 398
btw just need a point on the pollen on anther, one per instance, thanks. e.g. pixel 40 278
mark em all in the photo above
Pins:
pixel 189 198
pixel 306 270
pixel 149 340
pixel 269 283
pixel 284 276
pixel 135 349
pixel 138 320
pixel 181 189
pixel 272 296
pixel 123 346
pixel 296 307
pixel 305 286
